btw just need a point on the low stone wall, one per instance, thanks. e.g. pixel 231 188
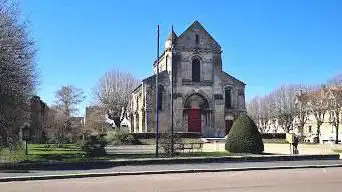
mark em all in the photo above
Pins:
pixel 274 148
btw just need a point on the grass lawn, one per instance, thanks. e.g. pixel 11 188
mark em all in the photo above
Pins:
pixel 54 149
pixel 43 152
pixel 73 153
pixel 338 150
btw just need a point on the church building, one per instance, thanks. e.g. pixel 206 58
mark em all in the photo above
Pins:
pixel 206 100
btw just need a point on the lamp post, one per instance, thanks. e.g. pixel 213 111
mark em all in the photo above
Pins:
pixel 172 68
pixel 157 96
pixel 26 136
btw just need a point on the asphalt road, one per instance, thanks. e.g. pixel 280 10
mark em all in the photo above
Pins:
pixel 313 180
pixel 5 173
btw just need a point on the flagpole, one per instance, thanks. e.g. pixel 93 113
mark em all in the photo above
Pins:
pixel 172 136
pixel 157 96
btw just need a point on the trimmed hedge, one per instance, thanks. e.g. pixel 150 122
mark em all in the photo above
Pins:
pixel 273 135
pixel 244 137
pixel 94 145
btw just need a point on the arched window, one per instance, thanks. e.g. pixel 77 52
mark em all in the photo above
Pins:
pixel 197 39
pixel 160 97
pixel 196 70
pixel 228 97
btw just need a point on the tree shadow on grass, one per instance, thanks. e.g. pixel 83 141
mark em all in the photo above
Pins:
pixel 54 162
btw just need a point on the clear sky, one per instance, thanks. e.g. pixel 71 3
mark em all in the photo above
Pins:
pixel 265 43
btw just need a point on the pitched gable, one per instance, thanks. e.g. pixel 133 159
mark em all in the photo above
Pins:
pixel 205 40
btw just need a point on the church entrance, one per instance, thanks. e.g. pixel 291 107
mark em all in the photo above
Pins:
pixel 194 120
pixel 196 114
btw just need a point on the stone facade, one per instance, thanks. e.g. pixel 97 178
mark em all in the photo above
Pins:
pixel 206 99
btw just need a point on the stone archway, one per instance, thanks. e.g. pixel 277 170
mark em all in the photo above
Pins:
pixel 195 115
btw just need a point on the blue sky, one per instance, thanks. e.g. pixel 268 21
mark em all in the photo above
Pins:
pixel 265 43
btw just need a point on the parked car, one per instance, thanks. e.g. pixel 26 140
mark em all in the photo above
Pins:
pixel 313 138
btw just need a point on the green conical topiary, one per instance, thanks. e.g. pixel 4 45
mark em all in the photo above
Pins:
pixel 244 137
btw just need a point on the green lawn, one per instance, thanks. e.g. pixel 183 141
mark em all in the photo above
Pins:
pixel 54 149
pixel 43 152
pixel 73 153
pixel 338 150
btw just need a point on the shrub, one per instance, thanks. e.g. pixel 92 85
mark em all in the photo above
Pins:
pixel 165 142
pixel 121 138
pixel 132 140
pixel 273 135
pixel 12 154
pixel 94 145
pixel 244 137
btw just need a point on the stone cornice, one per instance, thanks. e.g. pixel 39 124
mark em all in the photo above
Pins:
pixel 197 50
pixel 200 83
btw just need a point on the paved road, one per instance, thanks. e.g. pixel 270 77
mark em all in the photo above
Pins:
pixel 4 173
pixel 313 180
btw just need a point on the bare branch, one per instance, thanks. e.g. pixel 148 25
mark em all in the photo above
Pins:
pixel 112 93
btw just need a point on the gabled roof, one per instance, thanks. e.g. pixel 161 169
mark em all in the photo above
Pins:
pixel 198 25
pixel 235 79
pixel 139 86
pixel 162 74
pixel 172 36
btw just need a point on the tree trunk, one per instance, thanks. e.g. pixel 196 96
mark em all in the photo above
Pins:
pixel 318 131
pixel 336 127
pixel 117 122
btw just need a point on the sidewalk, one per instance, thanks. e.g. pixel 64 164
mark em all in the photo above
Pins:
pixel 6 176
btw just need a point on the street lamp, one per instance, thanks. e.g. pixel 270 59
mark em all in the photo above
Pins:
pixel 26 136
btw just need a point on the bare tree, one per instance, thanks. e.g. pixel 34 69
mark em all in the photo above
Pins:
pixel 95 121
pixel 67 99
pixel 284 98
pixel 265 111
pixel 259 111
pixel 253 110
pixel 18 74
pixel 335 106
pixel 61 127
pixel 317 105
pixel 113 92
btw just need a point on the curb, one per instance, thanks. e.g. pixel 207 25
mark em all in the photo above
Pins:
pixel 111 163
pixel 87 175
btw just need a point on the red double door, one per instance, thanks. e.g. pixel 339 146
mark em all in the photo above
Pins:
pixel 194 120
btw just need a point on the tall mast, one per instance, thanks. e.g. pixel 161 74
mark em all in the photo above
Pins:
pixel 172 136
pixel 157 96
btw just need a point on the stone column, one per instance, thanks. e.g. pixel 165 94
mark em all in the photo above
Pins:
pixel 210 123
pixel 203 125
pixel 185 120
